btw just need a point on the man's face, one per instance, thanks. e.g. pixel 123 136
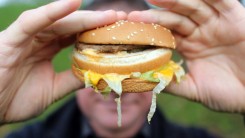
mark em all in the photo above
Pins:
pixel 103 111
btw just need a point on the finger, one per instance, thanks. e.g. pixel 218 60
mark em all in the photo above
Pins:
pixel 121 15
pixel 57 45
pixel 173 21
pixel 80 21
pixel 228 8
pixel 32 21
pixel 186 88
pixel 64 83
pixel 197 10
pixel 224 5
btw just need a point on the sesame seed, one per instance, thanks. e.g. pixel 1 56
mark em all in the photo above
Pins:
pixel 113 26
pixel 93 34
pixel 132 34
pixel 152 43
pixel 135 32
pixel 132 22
pixel 153 39
pixel 141 30
pixel 128 37
pixel 108 29
pixel 114 38
pixel 160 42
pixel 142 22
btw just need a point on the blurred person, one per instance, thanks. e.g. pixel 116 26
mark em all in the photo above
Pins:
pixel 93 116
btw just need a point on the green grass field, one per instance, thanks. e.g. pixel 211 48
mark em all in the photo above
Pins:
pixel 176 109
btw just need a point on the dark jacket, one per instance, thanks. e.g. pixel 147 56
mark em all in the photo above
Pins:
pixel 66 123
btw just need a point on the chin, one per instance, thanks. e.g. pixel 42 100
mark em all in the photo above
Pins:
pixel 126 57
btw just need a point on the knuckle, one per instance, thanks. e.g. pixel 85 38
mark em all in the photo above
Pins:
pixel 47 15
pixel 25 14
pixel 54 29
pixel 23 18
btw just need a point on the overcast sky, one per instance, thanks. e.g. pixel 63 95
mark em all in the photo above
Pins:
pixel 2 2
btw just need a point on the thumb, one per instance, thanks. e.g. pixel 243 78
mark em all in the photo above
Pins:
pixel 186 88
pixel 32 21
pixel 64 83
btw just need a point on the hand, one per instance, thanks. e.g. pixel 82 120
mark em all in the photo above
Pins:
pixel 28 81
pixel 210 35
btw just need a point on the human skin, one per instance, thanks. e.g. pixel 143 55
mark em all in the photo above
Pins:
pixel 102 114
pixel 210 36
pixel 29 83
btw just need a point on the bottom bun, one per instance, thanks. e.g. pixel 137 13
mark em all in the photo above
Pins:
pixel 131 85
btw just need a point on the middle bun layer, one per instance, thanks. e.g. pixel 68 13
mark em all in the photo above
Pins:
pixel 122 62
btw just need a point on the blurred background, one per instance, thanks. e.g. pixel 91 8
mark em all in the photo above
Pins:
pixel 178 110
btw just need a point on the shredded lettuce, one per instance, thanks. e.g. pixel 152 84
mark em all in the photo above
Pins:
pixel 153 107
pixel 179 74
pixel 149 76
pixel 114 81
pixel 119 111
pixel 135 75
pixel 165 76
pixel 164 81
pixel 162 76
pixel 87 80
pixel 106 92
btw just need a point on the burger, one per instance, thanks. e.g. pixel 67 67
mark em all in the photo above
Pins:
pixel 126 57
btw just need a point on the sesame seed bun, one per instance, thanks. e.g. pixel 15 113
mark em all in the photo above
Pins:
pixel 159 40
pixel 134 33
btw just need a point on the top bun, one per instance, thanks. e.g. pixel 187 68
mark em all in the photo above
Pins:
pixel 126 32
